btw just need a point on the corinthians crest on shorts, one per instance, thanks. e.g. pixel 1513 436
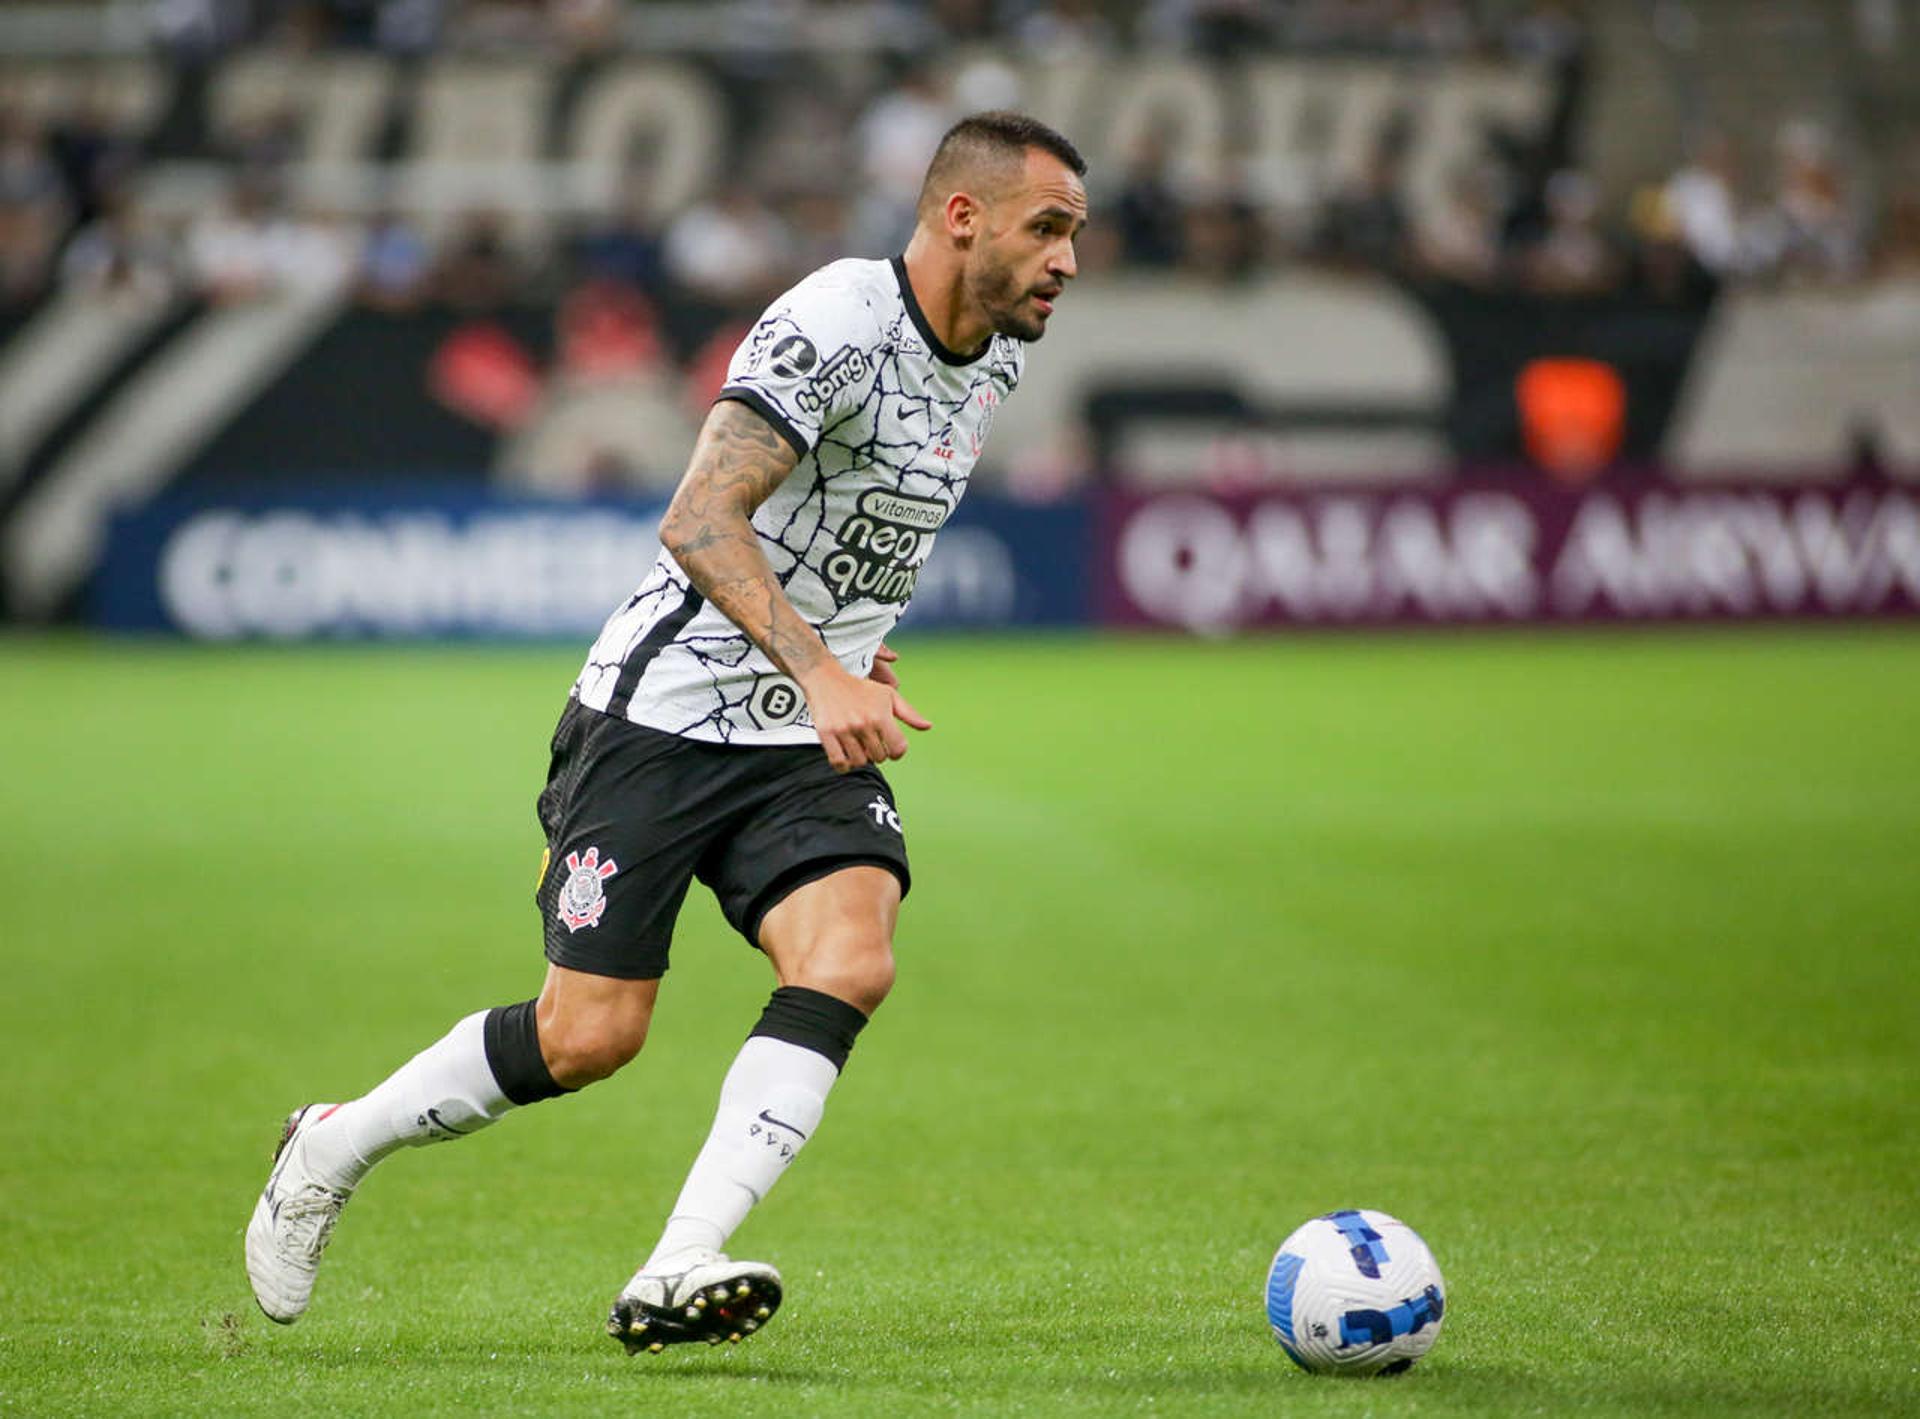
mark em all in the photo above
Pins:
pixel 582 898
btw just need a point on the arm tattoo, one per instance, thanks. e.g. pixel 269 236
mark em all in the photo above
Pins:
pixel 738 462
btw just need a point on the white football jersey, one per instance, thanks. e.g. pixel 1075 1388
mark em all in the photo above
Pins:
pixel 888 423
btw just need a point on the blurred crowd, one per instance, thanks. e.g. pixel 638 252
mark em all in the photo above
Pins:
pixel 1805 219
pixel 1047 27
pixel 832 175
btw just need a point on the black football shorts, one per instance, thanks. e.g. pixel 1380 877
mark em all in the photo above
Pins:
pixel 633 814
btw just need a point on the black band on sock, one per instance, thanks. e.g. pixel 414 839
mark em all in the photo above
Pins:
pixel 813 1020
pixel 513 1054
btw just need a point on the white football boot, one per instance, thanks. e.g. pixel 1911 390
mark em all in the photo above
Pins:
pixel 291 1225
pixel 712 1300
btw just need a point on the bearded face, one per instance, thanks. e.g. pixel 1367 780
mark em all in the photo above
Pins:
pixel 1008 296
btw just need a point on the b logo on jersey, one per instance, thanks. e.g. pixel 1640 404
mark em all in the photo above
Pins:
pixel 776 702
pixel 582 899
pixel 793 357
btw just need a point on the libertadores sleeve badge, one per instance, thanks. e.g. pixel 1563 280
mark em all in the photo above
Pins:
pixel 582 898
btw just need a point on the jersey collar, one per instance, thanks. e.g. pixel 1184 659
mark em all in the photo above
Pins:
pixel 919 318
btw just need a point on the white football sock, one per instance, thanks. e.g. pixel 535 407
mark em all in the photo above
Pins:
pixel 770 1105
pixel 445 1091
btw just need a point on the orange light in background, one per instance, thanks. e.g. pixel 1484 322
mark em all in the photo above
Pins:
pixel 1573 416
pixel 482 372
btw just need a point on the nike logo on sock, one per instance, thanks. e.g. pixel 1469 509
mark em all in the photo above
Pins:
pixel 766 1117
pixel 443 1125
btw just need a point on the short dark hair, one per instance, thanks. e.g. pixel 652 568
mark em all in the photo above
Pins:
pixel 996 135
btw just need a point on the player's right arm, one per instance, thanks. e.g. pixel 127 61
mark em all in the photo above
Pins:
pixel 737 463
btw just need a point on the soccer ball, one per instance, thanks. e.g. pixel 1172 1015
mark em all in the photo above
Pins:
pixel 1355 1293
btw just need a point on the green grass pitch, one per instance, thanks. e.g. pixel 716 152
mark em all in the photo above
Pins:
pixel 1594 958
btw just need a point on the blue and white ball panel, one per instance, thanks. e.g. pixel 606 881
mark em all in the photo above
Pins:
pixel 1355 1292
pixel 1368 1250
pixel 1280 1282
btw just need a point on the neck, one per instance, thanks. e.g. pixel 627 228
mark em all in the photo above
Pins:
pixel 934 274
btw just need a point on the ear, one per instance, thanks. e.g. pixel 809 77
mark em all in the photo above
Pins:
pixel 965 218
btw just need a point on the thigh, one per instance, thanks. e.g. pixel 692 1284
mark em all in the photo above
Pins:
pixel 627 812
pixel 811 823
pixel 574 1002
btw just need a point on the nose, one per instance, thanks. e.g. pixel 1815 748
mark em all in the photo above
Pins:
pixel 1065 264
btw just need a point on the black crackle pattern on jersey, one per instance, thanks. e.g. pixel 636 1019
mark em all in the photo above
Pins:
pixel 893 435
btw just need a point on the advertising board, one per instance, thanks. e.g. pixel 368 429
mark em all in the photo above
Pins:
pixel 462 562
pixel 1492 550
pixel 458 561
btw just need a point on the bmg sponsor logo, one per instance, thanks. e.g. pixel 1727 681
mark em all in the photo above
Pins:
pixel 848 367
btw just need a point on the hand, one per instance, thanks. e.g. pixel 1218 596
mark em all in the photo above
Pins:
pixel 855 719
pixel 882 671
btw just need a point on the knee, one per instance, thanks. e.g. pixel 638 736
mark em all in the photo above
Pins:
pixel 582 1049
pixel 870 979
pixel 856 967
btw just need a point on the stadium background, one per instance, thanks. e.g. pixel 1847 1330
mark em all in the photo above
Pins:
pixel 1591 954
pixel 1350 262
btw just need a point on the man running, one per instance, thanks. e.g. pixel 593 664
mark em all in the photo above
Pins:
pixel 729 724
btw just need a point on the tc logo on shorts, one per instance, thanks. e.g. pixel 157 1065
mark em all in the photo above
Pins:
pixel 775 702
pixel 582 898
pixel 793 357
pixel 884 813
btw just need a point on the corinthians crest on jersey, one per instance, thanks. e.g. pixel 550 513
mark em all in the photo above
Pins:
pixel 888 424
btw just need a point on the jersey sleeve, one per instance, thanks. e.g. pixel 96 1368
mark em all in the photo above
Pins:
pixel 807 362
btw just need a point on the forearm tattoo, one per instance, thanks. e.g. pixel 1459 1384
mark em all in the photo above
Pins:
pixel 737 463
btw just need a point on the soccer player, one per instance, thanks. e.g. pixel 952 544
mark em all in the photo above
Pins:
pixel 729 725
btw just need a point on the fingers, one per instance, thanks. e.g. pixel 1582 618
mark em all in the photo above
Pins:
pixel 874 742
pixel 886 652
pixel 871 744
pixel 856 720
pixel 908 716
pixel 855 748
